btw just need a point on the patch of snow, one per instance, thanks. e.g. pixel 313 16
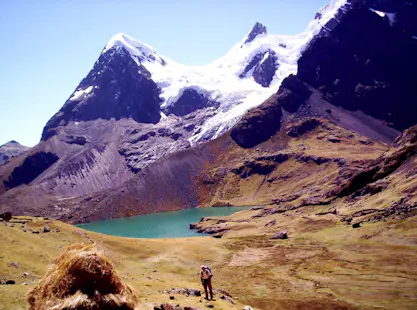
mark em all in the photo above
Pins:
pixel 163 116
pixel 391 16
pixel 382 14
pixel 80 93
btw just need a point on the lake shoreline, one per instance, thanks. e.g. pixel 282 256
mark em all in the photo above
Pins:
pixel 172 224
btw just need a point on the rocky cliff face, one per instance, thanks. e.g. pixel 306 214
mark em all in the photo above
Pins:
pixel 364 59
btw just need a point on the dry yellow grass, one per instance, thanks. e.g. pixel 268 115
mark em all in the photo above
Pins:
pixel 81 278
pixel 323 264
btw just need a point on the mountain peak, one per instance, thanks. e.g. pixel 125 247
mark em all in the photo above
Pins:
pixel 257 29
pixel 11 143
pixel 130 44
pixel 134 47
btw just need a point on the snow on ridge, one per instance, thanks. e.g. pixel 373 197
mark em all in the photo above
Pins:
pixel 219 80
pixel 134 47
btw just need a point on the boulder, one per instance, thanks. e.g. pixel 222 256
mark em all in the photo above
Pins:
pixel 46 229
pixel 7 216
pixel 247 308
pixel 170 307
pixel 280 235
pixel 10 282
pixel 333 139
pixel 185 291
pixel 227 298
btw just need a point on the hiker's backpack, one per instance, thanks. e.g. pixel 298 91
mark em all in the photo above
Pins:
pixel 209 269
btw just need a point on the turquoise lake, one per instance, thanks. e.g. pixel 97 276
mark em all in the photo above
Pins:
pixel 159 225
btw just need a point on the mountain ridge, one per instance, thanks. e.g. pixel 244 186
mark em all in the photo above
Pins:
pixel 105 155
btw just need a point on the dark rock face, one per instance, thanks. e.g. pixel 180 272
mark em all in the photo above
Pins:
pixel 112 89
pixel 292 94
pixel 190 101
pixel 263 66
pixel 362 61
pixel 257 29
pixel 31 168
pixel 258 125
pixel 265 71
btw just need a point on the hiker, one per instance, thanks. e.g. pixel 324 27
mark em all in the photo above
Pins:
pixel 205 276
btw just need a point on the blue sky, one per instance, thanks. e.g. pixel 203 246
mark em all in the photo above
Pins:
pixel 47 47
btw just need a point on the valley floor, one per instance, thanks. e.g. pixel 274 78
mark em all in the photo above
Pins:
pixel 328 267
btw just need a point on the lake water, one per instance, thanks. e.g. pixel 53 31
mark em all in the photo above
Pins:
pixel 159 225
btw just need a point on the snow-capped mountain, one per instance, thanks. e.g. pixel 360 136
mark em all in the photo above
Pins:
pixel 243 78
pixel 118 131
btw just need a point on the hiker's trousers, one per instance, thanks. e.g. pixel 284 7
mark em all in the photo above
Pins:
pixel 207 284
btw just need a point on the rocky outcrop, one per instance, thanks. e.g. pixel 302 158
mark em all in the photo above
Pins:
pixel 261 166
pixel 257 30
pixel 262 67
pixel 190 101
pixel 30 169
pixel 112 89
pixel 302 127
pixel 264 71
pixel 258 125
pixel 405 148
pixel 292 94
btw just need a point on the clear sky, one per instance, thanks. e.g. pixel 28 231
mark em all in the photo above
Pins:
pixel 47 47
